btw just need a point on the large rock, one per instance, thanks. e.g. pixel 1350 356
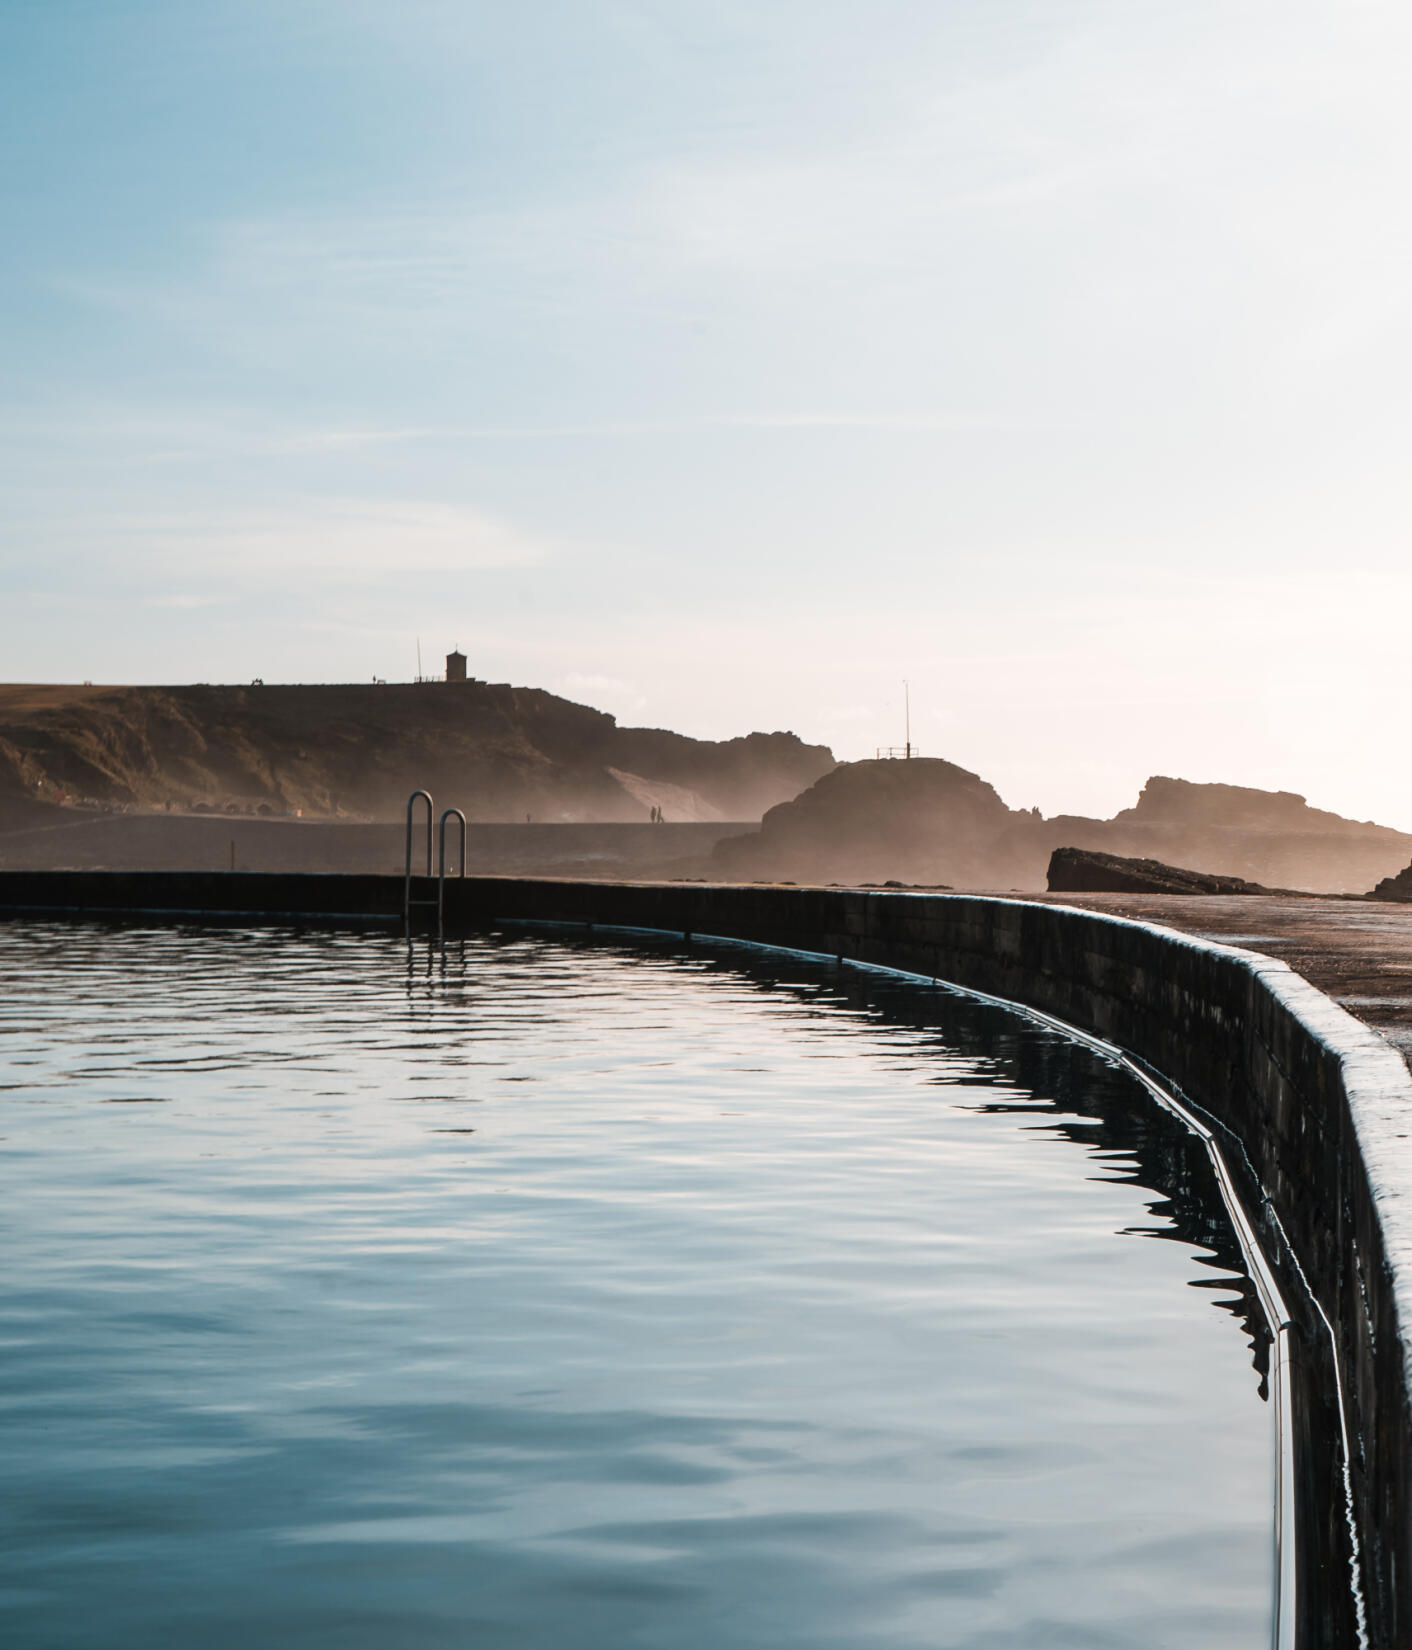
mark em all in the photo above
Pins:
pixel 1078 871
pixel 1398 887
pixel 921 821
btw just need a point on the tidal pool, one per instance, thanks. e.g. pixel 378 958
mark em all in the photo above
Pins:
pixel 553 1295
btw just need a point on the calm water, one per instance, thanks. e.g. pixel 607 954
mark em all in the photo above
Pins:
pixel 576 1296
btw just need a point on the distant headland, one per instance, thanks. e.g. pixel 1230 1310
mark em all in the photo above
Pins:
pixel 316 777
pixel 354 751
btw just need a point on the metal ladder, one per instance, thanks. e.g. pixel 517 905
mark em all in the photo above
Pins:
pixel 440 901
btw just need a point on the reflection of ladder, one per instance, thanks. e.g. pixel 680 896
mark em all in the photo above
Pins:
pixel 440 901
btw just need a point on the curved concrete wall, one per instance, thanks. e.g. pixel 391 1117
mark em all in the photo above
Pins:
pixel 1321 1105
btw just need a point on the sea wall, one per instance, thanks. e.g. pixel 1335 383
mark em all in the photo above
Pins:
pixel 1321 1106
pixel 208 842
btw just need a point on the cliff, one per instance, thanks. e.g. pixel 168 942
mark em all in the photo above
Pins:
pixel 355 751
pixel 1271 837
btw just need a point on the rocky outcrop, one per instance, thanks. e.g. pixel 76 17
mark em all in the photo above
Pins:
pixel 1078 871
pixel 931 822
pixel 923 821
pixel 1398 887
pixel 1269 837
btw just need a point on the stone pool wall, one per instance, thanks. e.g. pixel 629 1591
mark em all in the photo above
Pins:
pixel 1321 1104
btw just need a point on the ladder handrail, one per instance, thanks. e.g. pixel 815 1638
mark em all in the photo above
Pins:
pixel 451 813
pixel 411 815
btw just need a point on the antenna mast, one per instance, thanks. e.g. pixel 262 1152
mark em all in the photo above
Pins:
pixel 892 752
pixel 419 658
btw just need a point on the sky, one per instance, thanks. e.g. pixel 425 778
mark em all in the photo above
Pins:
pixel 726 365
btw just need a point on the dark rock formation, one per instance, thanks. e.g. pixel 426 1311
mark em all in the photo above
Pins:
pixel 1270 837
pixel 1398 887
pixel 1079 871
pixel 923 821
pixel 1173 802
pixel 929 822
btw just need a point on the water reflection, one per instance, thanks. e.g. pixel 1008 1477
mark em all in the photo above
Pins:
pixel 1070 1090
pixel 546 1294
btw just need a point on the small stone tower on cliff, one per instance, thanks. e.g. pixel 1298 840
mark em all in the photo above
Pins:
pixel 456 667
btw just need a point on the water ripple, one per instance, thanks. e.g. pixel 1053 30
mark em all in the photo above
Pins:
pixel 578 1296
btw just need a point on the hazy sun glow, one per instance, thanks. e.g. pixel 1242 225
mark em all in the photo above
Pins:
pixel 723 365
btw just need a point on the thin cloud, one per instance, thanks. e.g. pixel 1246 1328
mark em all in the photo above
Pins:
pixel 920 423
pixel 347 538
pixel 938 423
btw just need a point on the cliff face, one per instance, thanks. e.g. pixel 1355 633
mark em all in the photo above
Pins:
pixel 1174 803
pixel 930 822
pixel 495 751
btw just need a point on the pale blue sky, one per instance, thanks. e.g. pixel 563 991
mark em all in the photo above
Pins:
pixel 723 364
